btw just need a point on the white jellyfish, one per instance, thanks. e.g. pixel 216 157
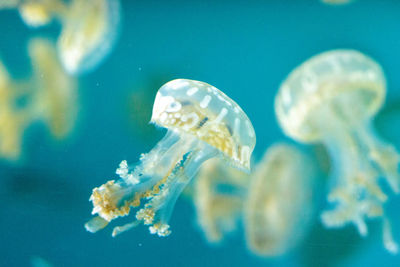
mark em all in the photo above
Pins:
pixel 332 99
pixel 89 29
pixel 337 2
pixel 88 33
pixel 278 208
pixel 202 123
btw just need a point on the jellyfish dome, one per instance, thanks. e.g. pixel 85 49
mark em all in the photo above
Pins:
pixel 278 207
pixel 202 123
pixel 332 99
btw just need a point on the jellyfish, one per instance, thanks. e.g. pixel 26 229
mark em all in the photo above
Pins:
pixel 332 99
pixel 219 191
pixel 36 13
pixel 89 31
pixel 278 208
pixel 13 119
pixel 337 2
pixel 202 123
pixel 55 100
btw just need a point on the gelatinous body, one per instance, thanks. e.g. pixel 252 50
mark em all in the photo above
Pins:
pixel 88 33
pixel 278 208
pixel 13 120
pixel 56 98
pixel 337 2
pixel 219 191
pixel 89 28
pixel 197 131
pixel 49 95
pixel 331 99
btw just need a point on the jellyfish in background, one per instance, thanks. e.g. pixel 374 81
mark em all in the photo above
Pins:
pixel 55 100
pixel 337 2
pixel 202 123
pixel 89 28
pixel 278 207
pixel 89 31
pixel 49 95
pixel 331 99
pixel 13 119
pixel 219 191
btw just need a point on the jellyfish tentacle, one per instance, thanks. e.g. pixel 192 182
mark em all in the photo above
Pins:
pixel 158 210
pixel 384 155
pixel 357 194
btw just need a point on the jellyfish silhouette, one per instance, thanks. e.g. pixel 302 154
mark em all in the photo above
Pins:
pixel 332 99
pixel 202 123
pixel 278 208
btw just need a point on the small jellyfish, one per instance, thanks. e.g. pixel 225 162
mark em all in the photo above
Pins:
pixel 55 99
pixel 332 99
pixel 337 2
pixel 88 33
pixel 219 191
pixel 41 12
pixel 89 29
pixel 202 123
pixel 278 208
pixel 13 119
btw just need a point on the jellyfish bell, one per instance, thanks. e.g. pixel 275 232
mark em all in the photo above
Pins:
pixel 332 99
pixel 89 31
pixel 201 124
pixel 278 208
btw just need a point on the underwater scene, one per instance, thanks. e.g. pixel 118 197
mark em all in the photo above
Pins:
pixel 199 133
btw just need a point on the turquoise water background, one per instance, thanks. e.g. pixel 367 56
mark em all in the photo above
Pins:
pixel 244 48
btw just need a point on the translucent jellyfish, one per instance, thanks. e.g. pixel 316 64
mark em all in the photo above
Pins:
pixel 13 119
pixel 55 99
pixel 89 28
pixel 219 191
pixel 89 31
pixel 202 123
pixel 332 99
pixel 36 13
pixel 337 2
pixel 278 207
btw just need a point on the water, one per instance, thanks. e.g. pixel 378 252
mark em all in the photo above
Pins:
pixel 246 50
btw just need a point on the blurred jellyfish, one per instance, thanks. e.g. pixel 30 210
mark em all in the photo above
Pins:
pixel 89 31
pixel 278 207
pixel 55 99
pixel 332 98
pixel 49 95
pixel 89 28
pixel 13 119
pixel 202 123
pixel 36 13
pixel 219 191
pixel 337 2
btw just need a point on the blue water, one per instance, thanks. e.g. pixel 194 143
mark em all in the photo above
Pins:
pixel 246 50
